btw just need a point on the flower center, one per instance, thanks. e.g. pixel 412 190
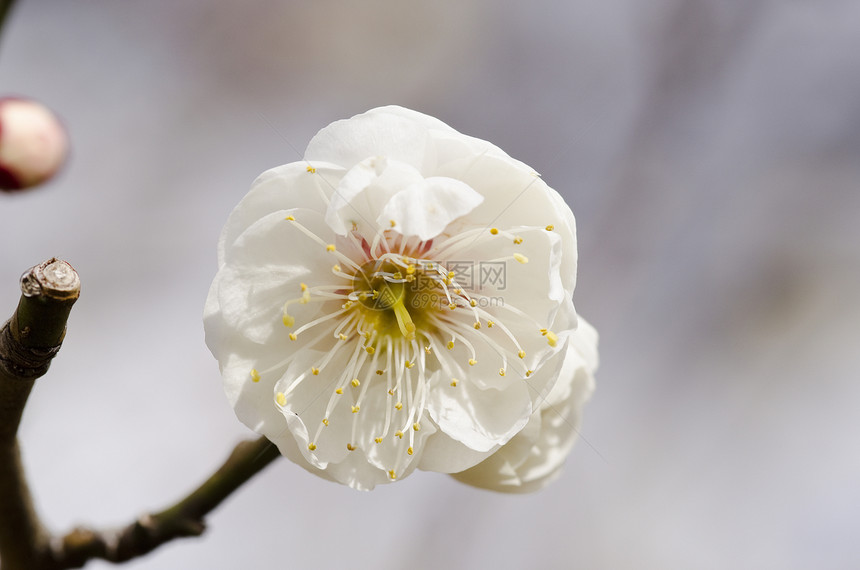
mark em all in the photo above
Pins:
pixel 384 295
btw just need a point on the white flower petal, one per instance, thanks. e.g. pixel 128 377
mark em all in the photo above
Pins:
pixel 294 185
pixel 348 142
pixel 425 208
pixel 252 401
pixel 251 288
pixel 480 419
pixel 430 123
pixel 444 454
pixel 364 191
pixel 356 472
pixel 391 451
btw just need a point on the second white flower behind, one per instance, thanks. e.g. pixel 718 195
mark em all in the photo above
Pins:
pixel 401 298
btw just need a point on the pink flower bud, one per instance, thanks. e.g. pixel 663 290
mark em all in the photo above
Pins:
pixel 33 144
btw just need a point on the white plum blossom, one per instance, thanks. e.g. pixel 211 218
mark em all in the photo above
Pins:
pixel 402 299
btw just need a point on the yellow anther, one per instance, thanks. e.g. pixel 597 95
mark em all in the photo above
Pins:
pixel 339 391
pixel 355 409
pixel 369 349
pixel 336 268
pixel 550 227
pixel 380 372
pixel 529 373
pixel 518 240
pixel 490 324
pixel 399 405
pixel 454 382
pixel 290 219
pixel 427 349
pixel 392 222
pixel 330 247
pixel 408 364
pixel 452 306
pixel 416 426
pixel 288 320
pixel 521 258
pixel 473 302
pixel 494 231
pixel 355 383
pixel 501 371
pixel 325 421
pixel 391 392
pixel 451 274
pixel 397 275
pixel 410 269
pixel 303 286
pixel 378 440
pixel 350 447
pixel 430 265
pixel 410 451
pixel 255 376
pixel 521 354
pixel 477 326
pixel 293 336
pixel 312 446
pixel 399 434
pixel 281 398
pixel 341 336
pixel 450 345
pixel 543 332
pixel 315 371
pixel 311 169
pixel 472 362
pixel 551 338
pixel 391 475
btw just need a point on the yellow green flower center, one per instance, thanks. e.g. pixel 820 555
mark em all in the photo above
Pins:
pixel 396 300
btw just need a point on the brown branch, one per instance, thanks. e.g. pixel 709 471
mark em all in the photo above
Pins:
pixel 28 342
pixel 184 519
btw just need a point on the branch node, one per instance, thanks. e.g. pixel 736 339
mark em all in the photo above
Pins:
pixel 82 544
pixel 20 361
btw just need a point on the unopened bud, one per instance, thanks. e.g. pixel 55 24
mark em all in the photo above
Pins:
pixel 33 144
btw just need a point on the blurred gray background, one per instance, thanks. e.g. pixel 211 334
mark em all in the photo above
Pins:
pixel 710 151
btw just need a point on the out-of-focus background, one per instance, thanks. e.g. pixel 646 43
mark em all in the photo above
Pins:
pixel 710 151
